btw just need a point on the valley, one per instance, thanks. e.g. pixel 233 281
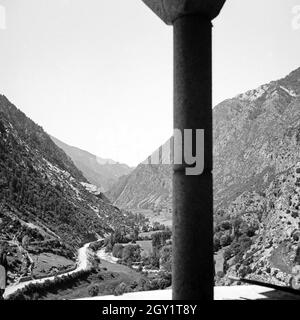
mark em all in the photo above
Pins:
pixel 48 209
pixel 97 272
pixel 71 232
pixel 103 173
pixel 164 216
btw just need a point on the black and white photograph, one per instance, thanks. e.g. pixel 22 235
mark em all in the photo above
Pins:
pixel 149 151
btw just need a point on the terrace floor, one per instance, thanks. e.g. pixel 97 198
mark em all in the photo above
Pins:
pixel 248 292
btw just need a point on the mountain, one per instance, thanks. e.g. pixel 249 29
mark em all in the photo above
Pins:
pixel 254 137
pixel 100 172
pixel 256 182
pixel 147 187
pixel 42 194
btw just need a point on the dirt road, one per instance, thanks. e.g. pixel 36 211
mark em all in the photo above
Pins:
pixel 82 264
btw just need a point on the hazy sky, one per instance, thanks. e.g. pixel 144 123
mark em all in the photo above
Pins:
pixel 97 74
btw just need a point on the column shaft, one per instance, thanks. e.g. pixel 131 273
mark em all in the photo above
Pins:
pixel 192 195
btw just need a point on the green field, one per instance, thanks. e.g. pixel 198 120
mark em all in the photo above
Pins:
pixel 146 246
pixel 45 263
pixel 164 217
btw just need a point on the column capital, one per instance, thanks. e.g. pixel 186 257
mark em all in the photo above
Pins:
pixel 170 10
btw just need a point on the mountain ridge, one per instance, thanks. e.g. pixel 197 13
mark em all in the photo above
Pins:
pixel 41 187
pixel 101 172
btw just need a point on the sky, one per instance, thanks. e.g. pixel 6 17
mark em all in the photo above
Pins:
pixel 99 74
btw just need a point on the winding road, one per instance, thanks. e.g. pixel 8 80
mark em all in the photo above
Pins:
pixel 82 264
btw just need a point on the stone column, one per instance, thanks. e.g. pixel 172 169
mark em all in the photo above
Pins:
pixel 193 267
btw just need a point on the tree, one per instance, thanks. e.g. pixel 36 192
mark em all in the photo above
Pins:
pixel 154 260
pixel 217 243
pixel 134 234
pixel 166 258
pixel 131 253
pixel 228 253
pixel 226 225
pixel 159 239
pixel 157 226
pixel 122 288
pixel 225 240
pixel 25 242
pixel 117 250
pixel 93 290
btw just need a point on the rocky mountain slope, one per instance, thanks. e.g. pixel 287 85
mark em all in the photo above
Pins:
pixel 101 172
pixel 256 177
pixel 42 193
pixel 147 187
pixel 256 181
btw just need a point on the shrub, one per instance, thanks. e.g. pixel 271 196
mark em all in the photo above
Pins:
pixel 226 225
pixel 217 244
pixel 131 253
pixel 108 248
pixel 100 277
pixel 225 240
pixel 163 281
pixel 244 271
pixel 154 261
pixel 122 288
pixel 159 239
pixel 95 246
pixel 41 289
pixel 140 268
pixel 228 253
pixel 117 250
pixel 94 262
pixel 295 214
pixel 93 290
pixel 295 236
pixel 166 258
